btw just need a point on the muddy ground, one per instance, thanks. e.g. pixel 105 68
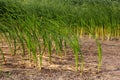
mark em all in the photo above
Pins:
pixel 19 68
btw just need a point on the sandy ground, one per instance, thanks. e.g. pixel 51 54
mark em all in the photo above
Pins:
pixel 18 68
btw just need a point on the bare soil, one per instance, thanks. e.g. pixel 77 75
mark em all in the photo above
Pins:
pixel 19 68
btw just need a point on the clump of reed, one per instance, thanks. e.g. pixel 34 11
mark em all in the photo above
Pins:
pixel 40 25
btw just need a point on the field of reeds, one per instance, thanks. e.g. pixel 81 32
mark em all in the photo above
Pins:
pixel 40 26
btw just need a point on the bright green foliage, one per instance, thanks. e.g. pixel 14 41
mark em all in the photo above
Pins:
pixel 40 25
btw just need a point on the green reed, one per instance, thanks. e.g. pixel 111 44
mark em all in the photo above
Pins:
pixel 44 25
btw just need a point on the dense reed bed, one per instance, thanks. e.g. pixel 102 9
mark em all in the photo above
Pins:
pixel 40 25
